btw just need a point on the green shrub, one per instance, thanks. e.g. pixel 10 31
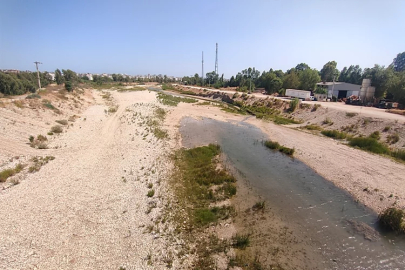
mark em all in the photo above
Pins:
pixel 369 144
pixel 5 174
pixel 315 107
pixel 393 219
pixel 151 193
pixel 240 241
pixel 259 205
pixel 293 104
pixel 280 148
pixel 386 129
pixel 69 86
pixel 334 134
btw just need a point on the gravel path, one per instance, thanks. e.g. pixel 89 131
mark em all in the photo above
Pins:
pixel 87 209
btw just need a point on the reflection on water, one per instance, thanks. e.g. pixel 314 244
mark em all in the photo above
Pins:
pixel 346 232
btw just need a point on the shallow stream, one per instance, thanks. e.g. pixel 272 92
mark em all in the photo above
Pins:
pixel 343 230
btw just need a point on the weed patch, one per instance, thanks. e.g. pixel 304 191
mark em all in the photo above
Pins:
pixel 334 134
pixel 351 114
pixel 170 100
pixel 369 144
pixel 313 127
pixel 5 174
pixel 57 129
pixel 393 138
pixel 280 148
pixel 62 122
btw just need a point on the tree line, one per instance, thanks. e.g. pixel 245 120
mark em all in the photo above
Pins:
pixel 388 81
pixel 22 82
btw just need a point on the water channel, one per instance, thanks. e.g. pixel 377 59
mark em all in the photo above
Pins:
pixel 345 231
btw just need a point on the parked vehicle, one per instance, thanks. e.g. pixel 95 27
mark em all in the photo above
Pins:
pixel 301 94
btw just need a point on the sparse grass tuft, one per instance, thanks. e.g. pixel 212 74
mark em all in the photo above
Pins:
pixel 315 107
pixel 393 138
pixel 5 174
pixel 170 100
pixel 334 134
pixel 313 127
pixel 259 205
pixel 351 114
pixel 375 135
pixel 280 148
pixel 241 241
pixel 33 96
pixel 398 154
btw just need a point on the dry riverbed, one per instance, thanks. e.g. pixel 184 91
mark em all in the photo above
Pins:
pixel 102 200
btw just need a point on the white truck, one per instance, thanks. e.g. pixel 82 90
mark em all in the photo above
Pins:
pixel 301 94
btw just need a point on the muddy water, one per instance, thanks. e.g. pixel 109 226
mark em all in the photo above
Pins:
pixel 344 231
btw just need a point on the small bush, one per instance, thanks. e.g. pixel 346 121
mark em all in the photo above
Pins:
pixel 393 138
pixel 351 114
pixel 280 148
pixel 313 127
pixel 240 241
pixel 151 193
pixel 112 109
pixel 57 129
pixel 31 138
pixel 369 144
pixel 393 219
pixel 334 134
pixel 294 104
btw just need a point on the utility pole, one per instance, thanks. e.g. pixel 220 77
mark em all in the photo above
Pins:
pixel 39 80
pixel 202 69
pixel 216 59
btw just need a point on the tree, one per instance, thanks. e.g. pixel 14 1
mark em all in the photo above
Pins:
pixel 308 79
pixel 69 75
pixel 58 77
pixel 301 67
pixel 399 62
pixel 291 81
pixel 329 72
pixel 353 74
pixel 379 79
pixel 272 83
pixel 396 86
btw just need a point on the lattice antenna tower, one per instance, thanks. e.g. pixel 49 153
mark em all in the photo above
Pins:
pixel 202 69
pixel 216 59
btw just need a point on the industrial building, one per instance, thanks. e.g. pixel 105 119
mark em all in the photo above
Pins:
pixel 344 90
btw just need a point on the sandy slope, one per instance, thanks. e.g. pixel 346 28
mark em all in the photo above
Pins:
pixel 87 208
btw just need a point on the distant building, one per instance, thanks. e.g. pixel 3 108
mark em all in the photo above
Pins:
pixel 340 89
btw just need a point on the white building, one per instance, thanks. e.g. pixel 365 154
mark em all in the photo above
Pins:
pixel 340 89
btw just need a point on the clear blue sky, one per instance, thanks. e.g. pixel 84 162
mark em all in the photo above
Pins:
pixel 167 37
